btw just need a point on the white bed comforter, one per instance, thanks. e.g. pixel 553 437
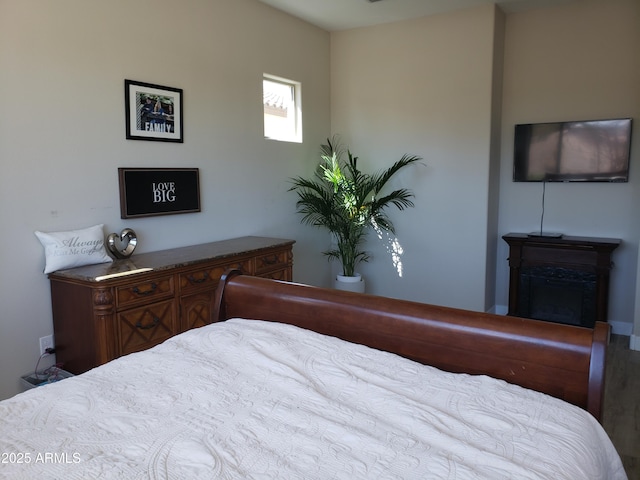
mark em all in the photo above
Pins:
pixel 256 400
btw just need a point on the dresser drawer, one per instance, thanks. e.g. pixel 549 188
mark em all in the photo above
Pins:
pixel 278 275
pixel 147 291
pixel 143 327
pixel 271 261
pixel 207 278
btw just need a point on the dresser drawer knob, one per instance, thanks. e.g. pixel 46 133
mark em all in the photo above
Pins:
pixel 204 278
pixel 272 260
pixel 153 288
pixel 155 322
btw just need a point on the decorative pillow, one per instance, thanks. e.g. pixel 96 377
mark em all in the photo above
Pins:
pixel 73 248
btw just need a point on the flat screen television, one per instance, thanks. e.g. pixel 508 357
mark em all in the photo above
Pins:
pixel 582 151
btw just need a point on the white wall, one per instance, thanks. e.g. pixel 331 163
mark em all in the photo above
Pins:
pixel 62 134
pixel 575 62
pixel 424 87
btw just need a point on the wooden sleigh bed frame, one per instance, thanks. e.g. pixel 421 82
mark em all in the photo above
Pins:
pixel 564 361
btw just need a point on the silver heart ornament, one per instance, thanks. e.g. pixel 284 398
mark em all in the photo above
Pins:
pixel 123 245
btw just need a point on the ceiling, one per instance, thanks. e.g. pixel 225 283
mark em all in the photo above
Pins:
pixel 333 15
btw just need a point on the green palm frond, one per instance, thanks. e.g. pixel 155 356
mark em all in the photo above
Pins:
pixel 347 201
pixel 383 177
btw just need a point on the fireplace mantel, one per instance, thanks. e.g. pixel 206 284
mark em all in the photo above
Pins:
pixel 561 279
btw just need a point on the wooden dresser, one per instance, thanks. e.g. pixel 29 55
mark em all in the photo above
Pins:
pixel 101 312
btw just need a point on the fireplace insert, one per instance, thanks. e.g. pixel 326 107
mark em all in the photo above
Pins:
pixel 558 294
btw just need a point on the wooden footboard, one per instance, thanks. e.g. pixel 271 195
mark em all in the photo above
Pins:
pixel 564 361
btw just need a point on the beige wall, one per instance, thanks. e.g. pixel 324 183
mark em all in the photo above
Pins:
pixel 494 160
pixel 575 62
pixel 425 87
pixel 441 87
pixel 62 135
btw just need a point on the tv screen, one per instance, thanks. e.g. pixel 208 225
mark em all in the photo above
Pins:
pixel 584 151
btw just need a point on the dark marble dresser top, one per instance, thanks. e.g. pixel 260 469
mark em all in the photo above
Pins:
pixel 168 259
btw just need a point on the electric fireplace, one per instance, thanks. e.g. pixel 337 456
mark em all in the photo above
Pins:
pixel 563 279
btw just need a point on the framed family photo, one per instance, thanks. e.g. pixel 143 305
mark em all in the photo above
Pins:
pixel 153 112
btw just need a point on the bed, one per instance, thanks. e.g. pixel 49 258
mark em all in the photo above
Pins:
pixel 293 381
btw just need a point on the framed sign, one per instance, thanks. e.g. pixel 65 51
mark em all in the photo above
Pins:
pixel 145 192
pixel 153 112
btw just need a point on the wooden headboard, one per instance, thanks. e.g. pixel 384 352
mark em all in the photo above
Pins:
pixel 564 361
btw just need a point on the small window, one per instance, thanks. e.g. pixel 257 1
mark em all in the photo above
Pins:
pixel 282 112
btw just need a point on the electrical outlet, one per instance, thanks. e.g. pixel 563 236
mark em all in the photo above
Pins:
pixel 46 342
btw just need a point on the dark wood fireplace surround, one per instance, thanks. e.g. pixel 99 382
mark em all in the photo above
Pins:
pixel 563 279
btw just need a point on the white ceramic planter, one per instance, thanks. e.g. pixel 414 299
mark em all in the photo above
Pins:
pixel 350 284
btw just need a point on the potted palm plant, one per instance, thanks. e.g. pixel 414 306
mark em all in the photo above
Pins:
pixel 348 202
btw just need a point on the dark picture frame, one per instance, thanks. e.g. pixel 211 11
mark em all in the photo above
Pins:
pixel 153 112
pixel 146 192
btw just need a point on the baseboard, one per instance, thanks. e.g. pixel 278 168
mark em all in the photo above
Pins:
pixel 621 328
pixel 499 309
pixel 634 342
